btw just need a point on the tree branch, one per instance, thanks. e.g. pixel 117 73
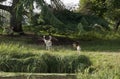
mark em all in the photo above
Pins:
pixel 4 7
pixel 2 0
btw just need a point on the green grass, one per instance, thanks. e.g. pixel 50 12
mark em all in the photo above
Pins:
pixel 104 55
pixel 18 56
pixel 105 66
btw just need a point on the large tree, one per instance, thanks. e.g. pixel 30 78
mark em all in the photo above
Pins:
pixel 47 12
pixel 19 8
pixel 109 9
pixel 94 7
pixel 113 12
pixel 15 20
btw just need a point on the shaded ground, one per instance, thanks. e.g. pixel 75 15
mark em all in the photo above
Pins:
pixel 39 39
pixel 86 45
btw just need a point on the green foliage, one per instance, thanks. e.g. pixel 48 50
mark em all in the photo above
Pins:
pixel 77 23
pixel 93 7
pixel 46 18
pixel 67 16
pixel 91 35
pixel 98 34
pixel 62 22
pixel 7 30
pixel 113 3
pixel 80 29
pixel 113 12
pixel 108 9
pixel 50 19
pixel 99 7
pixel 89 21
pixel 41 29
pixel 105 73
pixel 2 18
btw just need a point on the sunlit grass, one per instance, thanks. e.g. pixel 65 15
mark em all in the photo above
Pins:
pixel 35 49
pixel 105 66
pixel 105 55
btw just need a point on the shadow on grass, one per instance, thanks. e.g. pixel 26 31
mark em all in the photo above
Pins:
pixel 88 46
pixel 101 46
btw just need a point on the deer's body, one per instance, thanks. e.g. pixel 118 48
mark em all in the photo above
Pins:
pixel 77 47
pixel 48 42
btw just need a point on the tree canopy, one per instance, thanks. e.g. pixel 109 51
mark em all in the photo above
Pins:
pixel 109 9
pixel 55 15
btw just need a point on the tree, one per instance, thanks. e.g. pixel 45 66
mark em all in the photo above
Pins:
pixel 1 17
pixel 113 12
pixel 15 20
pixel 85 7
pixel 23 7
pixel 47 13
pixel 109 9
pixel 93 12
pixel 93 7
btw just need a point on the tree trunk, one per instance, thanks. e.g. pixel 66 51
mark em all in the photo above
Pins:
pixel 117 25
pixel 16 23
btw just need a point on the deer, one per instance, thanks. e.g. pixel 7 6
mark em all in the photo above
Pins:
pixel 48 42
pixel 77 46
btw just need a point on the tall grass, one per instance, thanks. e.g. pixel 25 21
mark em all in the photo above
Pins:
pixel 99 59
pixel 43 63
pixel 105 66
pixel 105 73
pixel 18 57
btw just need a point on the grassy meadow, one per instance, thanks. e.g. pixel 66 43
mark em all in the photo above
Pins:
pixel 98 59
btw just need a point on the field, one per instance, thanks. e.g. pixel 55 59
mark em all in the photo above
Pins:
pixel 27 25
pixel 99 59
